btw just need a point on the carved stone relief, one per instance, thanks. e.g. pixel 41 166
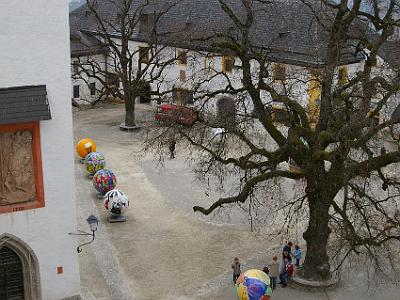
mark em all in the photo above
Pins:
pixel 17 178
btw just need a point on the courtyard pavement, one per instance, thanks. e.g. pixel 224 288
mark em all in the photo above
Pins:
pixel 165 251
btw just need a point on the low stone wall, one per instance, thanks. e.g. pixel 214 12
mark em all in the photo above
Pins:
pixel 315 284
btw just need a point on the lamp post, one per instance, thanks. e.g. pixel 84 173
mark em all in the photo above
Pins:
pixel 93 223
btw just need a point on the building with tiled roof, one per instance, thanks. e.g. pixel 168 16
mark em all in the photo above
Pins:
pixel 289 31
pixel 289 34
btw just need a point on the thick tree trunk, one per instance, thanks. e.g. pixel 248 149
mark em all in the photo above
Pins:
pixel 130 112
pixel 316 265
pixel 129 93
pixel 130 98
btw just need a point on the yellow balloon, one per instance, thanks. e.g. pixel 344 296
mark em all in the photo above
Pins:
pixel 260 281
pixel 85 146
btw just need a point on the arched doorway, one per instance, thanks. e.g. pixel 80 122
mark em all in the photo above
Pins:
pixel 11 275
pixel 226 112
pixel 145 96
pixel 19 270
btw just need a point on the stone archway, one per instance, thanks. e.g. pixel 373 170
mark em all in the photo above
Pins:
pixel 145 96
pixel 28 261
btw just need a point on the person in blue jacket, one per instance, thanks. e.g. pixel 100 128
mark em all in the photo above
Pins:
pixel 297 255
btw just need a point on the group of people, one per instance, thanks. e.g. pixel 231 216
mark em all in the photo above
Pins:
pixel 286 267
pixel 283 269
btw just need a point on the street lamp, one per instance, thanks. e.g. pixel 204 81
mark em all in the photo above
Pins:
pixel 93 223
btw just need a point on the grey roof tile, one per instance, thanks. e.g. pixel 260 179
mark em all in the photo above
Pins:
pixel 287 30
pixel 83 43
pixel 390 52
pixel 24 104
pixel 396 114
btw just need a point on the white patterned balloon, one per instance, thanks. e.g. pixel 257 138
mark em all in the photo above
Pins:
pixel 116 202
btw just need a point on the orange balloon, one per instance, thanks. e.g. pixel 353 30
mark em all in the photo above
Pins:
pixel 85 146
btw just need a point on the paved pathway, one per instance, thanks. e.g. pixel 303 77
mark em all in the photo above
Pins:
pixel 102 249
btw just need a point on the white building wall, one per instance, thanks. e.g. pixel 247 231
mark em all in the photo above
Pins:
pixel 85 96
pixel 34 47
pixel 195 71
pixel 296 83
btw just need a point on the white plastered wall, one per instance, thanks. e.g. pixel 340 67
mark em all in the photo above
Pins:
pixel 85 96
pixel 34 47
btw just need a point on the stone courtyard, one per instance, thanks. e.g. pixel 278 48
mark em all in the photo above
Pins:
pixel 164 250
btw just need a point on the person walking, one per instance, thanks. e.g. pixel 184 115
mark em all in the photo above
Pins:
pixel 274 271
pixel 283 275
pixel 297 255
pixel 287 252
pixel 172 149
pixel 236 269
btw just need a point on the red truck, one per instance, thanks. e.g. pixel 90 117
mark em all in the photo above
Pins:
pixel 174 113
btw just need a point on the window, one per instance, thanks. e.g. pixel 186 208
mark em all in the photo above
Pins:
pixel 144 23
pixel 280 72
pixel 182 57
pixel 182 96
pixel 112 84
pixel 144 55
pixel 146 92
pixel 177 96
pixel 209 63
pixel 11 275
pixel 293 167
pixel 76 91
pixel 343 76
pixel 227 64
pixel 226 112
pixel 75 68
pixel 374 120
pixel 314 98
pixel 187 96
pixel 92 87
pixel 182 75
pixel 21 179
pixel 112 80
pixel 373 61
pixel 280 115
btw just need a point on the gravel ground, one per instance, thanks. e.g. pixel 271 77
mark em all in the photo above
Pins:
pixel 164 251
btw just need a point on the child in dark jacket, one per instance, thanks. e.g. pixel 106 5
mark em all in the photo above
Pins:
pixel 236 269
pixel 283 275
pixel 172 149
pixel 286 255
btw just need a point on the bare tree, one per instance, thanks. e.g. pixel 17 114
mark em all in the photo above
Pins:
pixel 334 143
pixel 139 70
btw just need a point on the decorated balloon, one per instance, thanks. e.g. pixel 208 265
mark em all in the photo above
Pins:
pixel 85 146
pixel 253 285
pixel 116 202
pixel 94 161
pixel 104 180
